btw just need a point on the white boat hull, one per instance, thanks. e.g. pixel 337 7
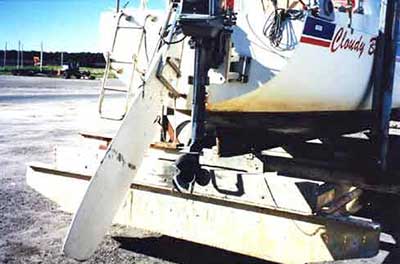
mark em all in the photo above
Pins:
pixel 317 75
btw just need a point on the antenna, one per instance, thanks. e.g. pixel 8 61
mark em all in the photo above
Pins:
pixel 41 56
pixel 22 56
pixel 18 51
pixel 5 56
pixel 117 5
pixel 143 4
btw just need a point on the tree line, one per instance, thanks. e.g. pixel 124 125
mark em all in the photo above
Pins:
pixel 85 59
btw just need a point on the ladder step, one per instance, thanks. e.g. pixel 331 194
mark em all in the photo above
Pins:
pixel 120 61
pixel 116 89
pixel 129 27
pixel 175 65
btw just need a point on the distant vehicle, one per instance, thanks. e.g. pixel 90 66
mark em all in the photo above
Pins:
pixel 72 70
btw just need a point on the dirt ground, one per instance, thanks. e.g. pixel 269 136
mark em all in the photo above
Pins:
pixel 36 114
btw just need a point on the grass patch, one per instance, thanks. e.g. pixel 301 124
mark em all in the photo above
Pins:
pixel 95 72
pixel 7 70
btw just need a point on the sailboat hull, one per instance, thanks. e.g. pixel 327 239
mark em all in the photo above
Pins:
pixel 319 84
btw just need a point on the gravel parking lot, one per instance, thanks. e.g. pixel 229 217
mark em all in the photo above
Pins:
pixel 37 114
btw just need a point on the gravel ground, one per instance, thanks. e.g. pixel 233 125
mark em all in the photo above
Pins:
pixel 36 114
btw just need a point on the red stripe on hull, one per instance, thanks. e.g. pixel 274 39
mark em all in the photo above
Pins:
pixel 316 42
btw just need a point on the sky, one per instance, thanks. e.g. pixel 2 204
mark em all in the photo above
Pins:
pixel 62 25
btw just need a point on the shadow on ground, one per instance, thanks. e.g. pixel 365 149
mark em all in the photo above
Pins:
pixel 385 209
pixel 181 251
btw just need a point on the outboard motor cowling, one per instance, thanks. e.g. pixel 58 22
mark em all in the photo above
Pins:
pixel 202 18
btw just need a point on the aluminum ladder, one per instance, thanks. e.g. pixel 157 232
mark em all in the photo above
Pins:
pixel 127 90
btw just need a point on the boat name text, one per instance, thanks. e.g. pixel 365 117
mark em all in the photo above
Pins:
pixel 341 41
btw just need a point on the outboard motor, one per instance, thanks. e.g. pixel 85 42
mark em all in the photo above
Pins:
pixel 208 23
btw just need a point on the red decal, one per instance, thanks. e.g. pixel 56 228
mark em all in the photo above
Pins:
pixel 372 46
pixel 341 41
pixel 336 39
pixel 230 4
pixel 338 3
pixel 313 41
